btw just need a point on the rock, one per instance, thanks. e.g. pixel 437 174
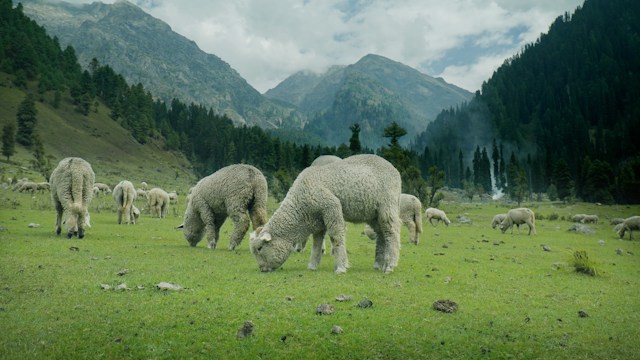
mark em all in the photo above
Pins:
pixel 601 242
pixel 463 219
pixel 33 225
pixel 365 303
pixel 343 298
pixel 105 286
pixel 581 229
pixel 246 330
pixel 324 309
pixel 122 272
pixel 168 286
pixel 336 329
pixel 122 287
pixel 546 248
pixel 445 306
pixel 619 251
pixel 290 298
pixel 583 314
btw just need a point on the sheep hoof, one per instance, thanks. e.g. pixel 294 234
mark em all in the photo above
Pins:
pixel 312 267
pixel 341 270
pixel 69 235
pixel 388 269
pixel 58 231
pixel 80 234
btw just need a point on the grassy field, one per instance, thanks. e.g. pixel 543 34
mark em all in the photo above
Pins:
pixel 515 300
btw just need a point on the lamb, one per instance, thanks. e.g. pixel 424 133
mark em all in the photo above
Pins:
pixel 589 219
pixel 361 188
pixel 433 213
pixel 71 192
pixel 158 202
pixel 236 191
pixel 124 195
pixel 411 216
pixel 630 224
pixel 519 216
pixel 497 220
pixel 104 188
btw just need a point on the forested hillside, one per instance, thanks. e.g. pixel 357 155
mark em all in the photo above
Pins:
pixel 565 111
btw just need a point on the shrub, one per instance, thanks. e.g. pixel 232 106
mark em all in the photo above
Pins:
pixel 583 264
pixel 553 217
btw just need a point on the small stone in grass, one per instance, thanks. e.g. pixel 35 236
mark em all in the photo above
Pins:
pixel 583 314
pixel 168 286
pixel 365 303
pixel 290 298
pixel 445 306
pixel 336 329
pixel 246 330
pixel 324 309
pixel 343 298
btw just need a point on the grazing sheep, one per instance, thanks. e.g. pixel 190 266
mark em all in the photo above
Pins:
pixel 144 186
pixel 19 184
pixel 361 188
pixel 519 216
pixel 158 202
pixel 410 215
pixel 141 193
pixel 497 220
pixel 578 217
pixel 43 186
pixel 71 191
pixel 616 221
pixel 236 191
pixel 630 224
pixel 173 197
pixel 433 213
pixel 589 219
pixel 124 195
pixel 28 186
pixel 104 188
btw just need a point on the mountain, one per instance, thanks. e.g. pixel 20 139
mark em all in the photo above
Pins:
pixel 372 92
pixel 145 50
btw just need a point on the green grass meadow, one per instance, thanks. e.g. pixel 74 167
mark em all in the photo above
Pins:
pixel 515 300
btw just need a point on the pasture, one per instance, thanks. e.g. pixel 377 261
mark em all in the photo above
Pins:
pixel 515 300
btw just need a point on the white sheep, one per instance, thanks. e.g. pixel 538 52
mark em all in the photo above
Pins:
pixel 410 215
pixel 630 224
pixel 616 221
pixel 519 216
pixel 43 186
pixel 71 191
pixel 433 213
pixel 141 193
pixel 578 217
pixel 497 220
pixel 173 197
pixel 104 188
pixel 144 186
pixel 589 219
pixel 235 191
pixel 158 202
pixel 361 188
pixel 29 186
pixel 124 195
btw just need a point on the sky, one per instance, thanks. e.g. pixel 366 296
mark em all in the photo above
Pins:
pixel 462 41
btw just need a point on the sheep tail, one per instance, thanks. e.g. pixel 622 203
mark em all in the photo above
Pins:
pixel 77 186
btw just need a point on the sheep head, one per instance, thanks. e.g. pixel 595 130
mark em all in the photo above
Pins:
pixel 270 252
pixel 193 228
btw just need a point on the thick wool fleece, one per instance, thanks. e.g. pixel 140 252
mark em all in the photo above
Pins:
pixel 71 191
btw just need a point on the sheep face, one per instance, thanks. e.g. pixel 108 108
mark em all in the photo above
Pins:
pixel 270 252
pixel 622 231
pixel 193 228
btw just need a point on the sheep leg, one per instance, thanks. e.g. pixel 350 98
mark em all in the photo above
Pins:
pixel 119 215
pixel 388 247
pixel 413 234
pixel 336 229
pixel 213 231
pixel 59 211
pixel 316 250
pixel 241 224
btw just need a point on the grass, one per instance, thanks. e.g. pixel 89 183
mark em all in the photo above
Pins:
pixel 514 299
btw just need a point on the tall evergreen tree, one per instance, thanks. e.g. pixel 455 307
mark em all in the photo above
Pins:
pixel 354 141
pixel 26 119
pixel 9 140
pixel 562 179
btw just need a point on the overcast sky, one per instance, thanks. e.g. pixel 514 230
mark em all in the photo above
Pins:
pixel 463 41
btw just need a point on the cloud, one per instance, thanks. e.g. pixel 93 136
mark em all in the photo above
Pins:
pixel 462 41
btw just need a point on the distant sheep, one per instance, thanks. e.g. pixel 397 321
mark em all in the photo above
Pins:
pixel 141 194
pixel 589 219
pixel 410 215
pixel 361 188
pixel 29 186
pixel 104 188
pixel 71 192
pixel 144 186
pixel 236 191
pixel 173 197
pixel 124 195
pixel 630 224
pixel 578 217
pixel 439 215
pixel 519 216
pixel 158 202
pixel 43 186
pixel 616 221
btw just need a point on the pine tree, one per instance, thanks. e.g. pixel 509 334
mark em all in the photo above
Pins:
pixel 9 140
pixel 26 118
pixel 39 161
pixel 562 179
pixel 354 141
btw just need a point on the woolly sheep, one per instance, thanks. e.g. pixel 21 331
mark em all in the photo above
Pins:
pixel 144 186
pixel 28 186
pixel 361 188
pixel 411 216
pixel 616 221
pixel 589 219
pixel 236 191
pixel 19 184
pixel 630 224
pixel 173 197
pixel 141 193
pixel 519 216
pixel 104 188
pixel 43 186
pixel 433 213
pixel 578 217
pixel 158 202
pixel 498 219
pixel 71 191
pixel 124 195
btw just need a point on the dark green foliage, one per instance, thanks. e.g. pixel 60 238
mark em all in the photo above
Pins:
pixel 562 179
pixel 354 141
pixel 26 120
pixel 40 163
pixel 435 182
pixel 9 140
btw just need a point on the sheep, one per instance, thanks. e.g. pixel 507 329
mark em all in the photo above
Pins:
pixel 361 188
pixel 578 217
pixel 517 217
pixel 411 216
pixel 71 184
pixel 236 191
pixel 141 193
pixel 43 186
pixel 158 202
pixel 28 186
pixel 630 224
pixel 616 221
pixel 433 213
pixel 173 197
pixel 104 188
pixel 19 184
pixel 144 186
pixel 498 219
pixel 124 195
pixel 589 219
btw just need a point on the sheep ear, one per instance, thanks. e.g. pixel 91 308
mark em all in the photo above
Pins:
pixel 181 226
pixel 265 237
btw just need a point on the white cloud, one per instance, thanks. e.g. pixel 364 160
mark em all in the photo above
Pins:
pixel 266 41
